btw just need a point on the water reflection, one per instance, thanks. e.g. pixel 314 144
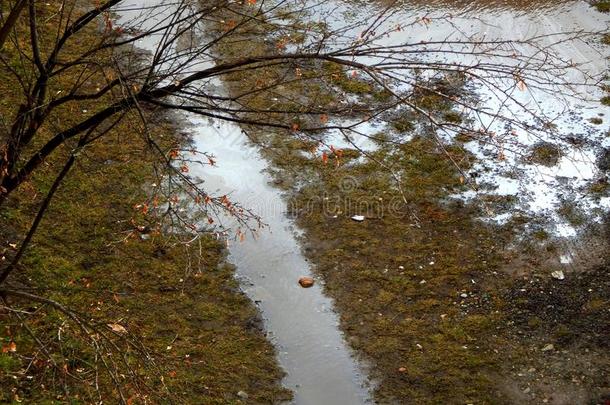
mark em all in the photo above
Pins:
pixel 536 6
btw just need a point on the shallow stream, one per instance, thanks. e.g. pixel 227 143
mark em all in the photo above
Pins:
pixel 301 322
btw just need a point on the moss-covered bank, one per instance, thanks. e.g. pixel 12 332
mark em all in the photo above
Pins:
pixel 194 338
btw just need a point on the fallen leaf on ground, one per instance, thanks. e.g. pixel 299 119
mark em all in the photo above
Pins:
pixel 9 348
pixel 117 328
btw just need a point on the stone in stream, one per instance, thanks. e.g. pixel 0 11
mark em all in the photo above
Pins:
pixel 306 282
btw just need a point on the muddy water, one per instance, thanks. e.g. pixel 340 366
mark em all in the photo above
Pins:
pixel 300 322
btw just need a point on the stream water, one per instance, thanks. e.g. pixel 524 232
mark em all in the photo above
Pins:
pixel 301 322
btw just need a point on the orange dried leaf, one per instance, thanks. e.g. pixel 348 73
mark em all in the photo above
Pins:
pixel 323 118
pixel 230 25
pixel 324 158
pixel 9 348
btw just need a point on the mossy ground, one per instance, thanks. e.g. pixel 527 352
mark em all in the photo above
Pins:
pixel 603 6
pixel 545 153
pixel 200 336
pixel 425 291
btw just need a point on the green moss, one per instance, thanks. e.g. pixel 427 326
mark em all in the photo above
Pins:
pixel 562 333
pixel 570 212
pixel 464 137
pixel 540 234
pixel 596 120
pixel 352 83
pixel 403 125
pixel 8 363
pixel 544 153
pixel 431 102
pixel 603 6
pixel 382 95
pixel 599 187
pixel 349 154
pixel 605 100
pixel 453 117
pixel 534 322
pixel 596 304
